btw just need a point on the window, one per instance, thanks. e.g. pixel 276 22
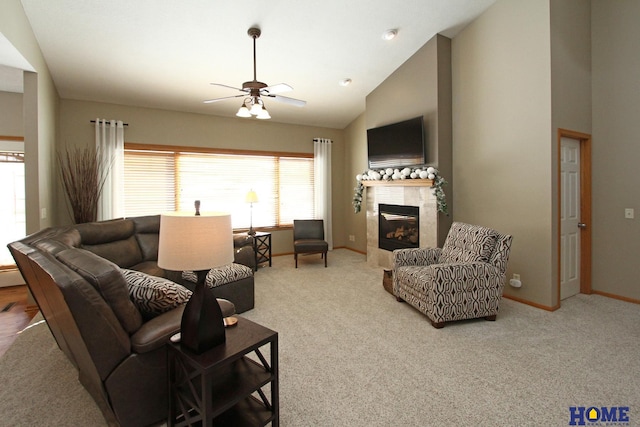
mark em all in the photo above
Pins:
pixel 12 197
pixel 172 178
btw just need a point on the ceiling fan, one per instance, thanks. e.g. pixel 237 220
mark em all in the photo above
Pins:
pixel 253 91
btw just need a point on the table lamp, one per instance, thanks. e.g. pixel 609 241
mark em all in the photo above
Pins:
pixel 251 198
pixel 189 242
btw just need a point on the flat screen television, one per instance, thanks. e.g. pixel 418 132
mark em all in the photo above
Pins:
pixel 397 144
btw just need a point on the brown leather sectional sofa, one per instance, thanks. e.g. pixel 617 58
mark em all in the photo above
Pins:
pixel 74 275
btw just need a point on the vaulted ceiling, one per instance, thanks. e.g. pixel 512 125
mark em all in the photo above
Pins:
pixel 164 54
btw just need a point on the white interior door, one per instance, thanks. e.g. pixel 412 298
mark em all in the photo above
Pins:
pixel 570 217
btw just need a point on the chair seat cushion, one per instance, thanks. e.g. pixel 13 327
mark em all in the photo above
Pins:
pixel 310 245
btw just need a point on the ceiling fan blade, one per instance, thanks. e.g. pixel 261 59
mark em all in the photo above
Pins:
pixel 287 100
pixel 227 86
pixel 210 101
pixel 279 88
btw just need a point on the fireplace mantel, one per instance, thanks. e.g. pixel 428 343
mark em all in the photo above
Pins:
pixel 400 183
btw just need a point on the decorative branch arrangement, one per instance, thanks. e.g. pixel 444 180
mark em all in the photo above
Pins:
pixel 83 180
pixel 399 174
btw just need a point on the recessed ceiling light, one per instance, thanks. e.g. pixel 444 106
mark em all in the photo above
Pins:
pixel 389 34
pixel 345 82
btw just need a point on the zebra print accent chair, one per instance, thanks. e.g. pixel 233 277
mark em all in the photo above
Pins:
pixel 462 280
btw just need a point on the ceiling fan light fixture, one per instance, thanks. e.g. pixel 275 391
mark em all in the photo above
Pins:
pixel 263 114
pixel 389 34
pixel 256 108
pixel 253 89
pixel 243 111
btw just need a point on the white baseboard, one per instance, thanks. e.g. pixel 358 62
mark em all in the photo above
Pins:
pixel 10 278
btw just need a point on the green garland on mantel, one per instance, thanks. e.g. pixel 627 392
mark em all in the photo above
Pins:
pixel 399 174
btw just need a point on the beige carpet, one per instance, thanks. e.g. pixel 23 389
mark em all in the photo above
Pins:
pixel 350 355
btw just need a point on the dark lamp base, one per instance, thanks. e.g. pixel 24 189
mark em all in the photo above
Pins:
pixel 202 326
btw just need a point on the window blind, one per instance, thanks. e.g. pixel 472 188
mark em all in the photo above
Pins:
pixel 159 181
pixel 149 183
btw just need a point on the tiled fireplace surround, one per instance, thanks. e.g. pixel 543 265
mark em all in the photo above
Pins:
pixel 410 193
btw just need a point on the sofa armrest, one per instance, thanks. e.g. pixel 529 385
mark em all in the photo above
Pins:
pixel 415 256
pixel 156 332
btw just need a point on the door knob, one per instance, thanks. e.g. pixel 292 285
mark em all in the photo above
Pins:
pixel 582 225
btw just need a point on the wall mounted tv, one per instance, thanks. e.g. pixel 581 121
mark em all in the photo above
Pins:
pixel 397 144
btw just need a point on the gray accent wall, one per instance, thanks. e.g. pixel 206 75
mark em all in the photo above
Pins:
pixel 502 145
pixel 616 146
pixel 421 86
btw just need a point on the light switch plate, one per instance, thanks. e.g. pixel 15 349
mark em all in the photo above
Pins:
pixel 629 213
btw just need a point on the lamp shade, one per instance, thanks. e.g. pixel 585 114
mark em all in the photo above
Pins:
pixel 189 242
pixel 251 197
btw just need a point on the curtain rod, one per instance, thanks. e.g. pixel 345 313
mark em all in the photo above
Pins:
pixel 124 124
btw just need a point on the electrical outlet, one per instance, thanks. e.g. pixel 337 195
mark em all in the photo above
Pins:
pixel 352 238
pixel 515 282
pixel 43 213
pixel 629 213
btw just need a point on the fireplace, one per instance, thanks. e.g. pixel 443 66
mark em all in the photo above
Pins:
pixel 398 227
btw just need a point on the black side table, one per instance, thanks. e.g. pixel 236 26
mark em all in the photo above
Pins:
pixel 223 386
pixel 262 247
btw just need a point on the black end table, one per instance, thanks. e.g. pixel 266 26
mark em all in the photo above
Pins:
pixel 262 247
pixel 224 386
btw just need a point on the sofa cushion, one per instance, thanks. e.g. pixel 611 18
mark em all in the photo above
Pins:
pixel 124 253
pixel 149 267
pixel 94 233
pixel 468 243
pixel 51 246
pixel 108 280
pixel 154 295
pixel 147 234
pixel 149 244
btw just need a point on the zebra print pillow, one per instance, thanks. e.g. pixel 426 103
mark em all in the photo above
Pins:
pixel 226 274
pixel 221 275
pixel 190 276
pixel 154 295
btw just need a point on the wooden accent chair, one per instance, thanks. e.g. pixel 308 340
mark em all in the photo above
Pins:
pixel 463 280
pixel 308 238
